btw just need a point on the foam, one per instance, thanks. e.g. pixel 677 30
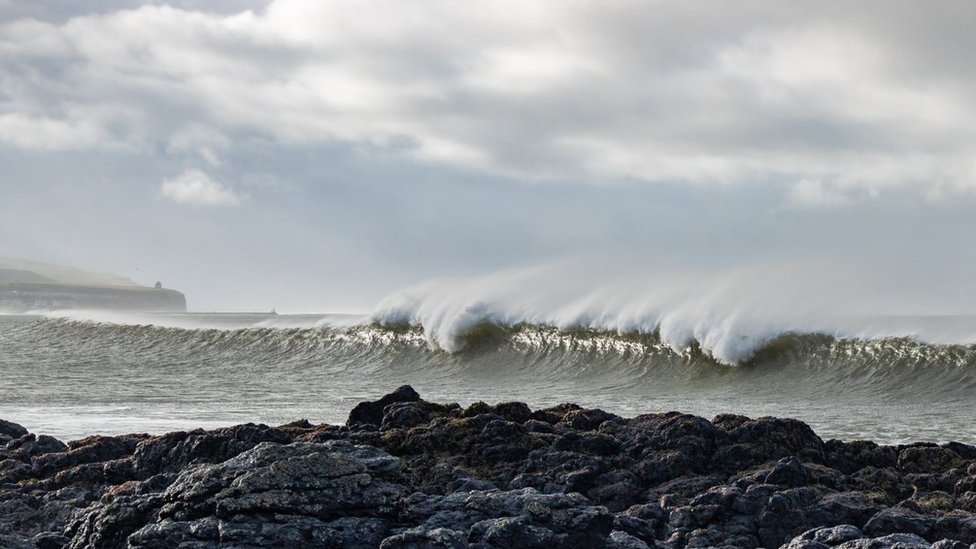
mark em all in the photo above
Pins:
pixel 729 314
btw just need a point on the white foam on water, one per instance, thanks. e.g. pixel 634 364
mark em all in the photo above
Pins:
pixel 729 314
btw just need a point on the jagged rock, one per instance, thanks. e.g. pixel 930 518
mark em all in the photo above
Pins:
pixel 97 449
pixel 957 525
pixel 302 485
pixel 404 415
pixel 50 540
pixel 419 538
pixel 371 413
pixel 174 451
pixel 831 535
pixel 12 470
pixel 10 430
pixel 849 537
pixel 623 540
pixel 950 544
pixel 849 457
pixel 28 446
pixel 927 459
pixel 278 531
pixel 407 473
pixel 897 520
pixel 517 518
pixel 891 541
pixel 109 524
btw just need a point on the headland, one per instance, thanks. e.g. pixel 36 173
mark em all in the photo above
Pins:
pixel 27 286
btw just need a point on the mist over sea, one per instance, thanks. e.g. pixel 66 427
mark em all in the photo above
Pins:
pixel 72 375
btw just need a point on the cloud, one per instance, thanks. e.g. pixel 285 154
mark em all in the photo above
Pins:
pixel 435 138
pixel 205 142
pixel 40 133
pixel 556 90
pixel 814 193
pixel 197 188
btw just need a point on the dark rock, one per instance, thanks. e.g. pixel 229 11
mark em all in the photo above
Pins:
pixel 418 538
pixel 957 525
pixel 28 446
pixel 891 541
pixel 12 470
pixel 623 540
pixel 964 451
pixel 555 414
pixel 109 524
pixel 849 457
pixel 949 544
pixel 788 472
pixel 680 491
pixel 297 426
pixel 404 415
pixel 585 420
pixel 301 481
pixel 50 540
pixel 832 535
pixel 774 438
pixel 518 518
pixel 174 451
pixel 897 520
pixel 517 412
pixel 408 473
pixel 96 449
pixel 927 459
pixel 371 413
pixel 965 501
pixel 10 431
pixel 277 531
pixel 727 422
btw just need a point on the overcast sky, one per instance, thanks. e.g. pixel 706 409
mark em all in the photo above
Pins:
pixel 318 155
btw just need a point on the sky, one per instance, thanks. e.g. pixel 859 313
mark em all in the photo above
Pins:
pixel 317 156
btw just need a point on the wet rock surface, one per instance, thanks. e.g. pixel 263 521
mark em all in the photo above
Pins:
pixel 406 473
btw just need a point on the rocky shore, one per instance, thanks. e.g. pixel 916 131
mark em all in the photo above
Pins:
pixel 406 473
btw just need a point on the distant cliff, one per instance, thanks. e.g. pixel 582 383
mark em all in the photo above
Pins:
pixel 23 297
pixel 33 286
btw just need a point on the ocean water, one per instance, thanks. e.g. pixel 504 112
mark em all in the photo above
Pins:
pixel 887 378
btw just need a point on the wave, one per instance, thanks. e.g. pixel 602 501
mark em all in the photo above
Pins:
pixel 849 385
pixel 729 318
pixel 768 342
pixel 315 333
pixel 726 316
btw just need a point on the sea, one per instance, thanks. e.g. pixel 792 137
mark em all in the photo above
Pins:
pixel 891 379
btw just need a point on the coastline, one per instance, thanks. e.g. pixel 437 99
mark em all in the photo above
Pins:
pixel 403 472
pixel 27 297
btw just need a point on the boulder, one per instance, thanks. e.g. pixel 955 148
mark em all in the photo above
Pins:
pixel 371 413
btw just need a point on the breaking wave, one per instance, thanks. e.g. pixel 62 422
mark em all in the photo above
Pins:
pixel 197 367
pixel 729 317
pixel 889 362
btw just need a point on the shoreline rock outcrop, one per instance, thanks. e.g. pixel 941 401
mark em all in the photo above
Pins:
pixel 407 473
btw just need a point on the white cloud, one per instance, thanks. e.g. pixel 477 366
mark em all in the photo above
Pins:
pixel 204 142
pixel 555 89
pixel 814 193
pixel 197 188
pixel 41 133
